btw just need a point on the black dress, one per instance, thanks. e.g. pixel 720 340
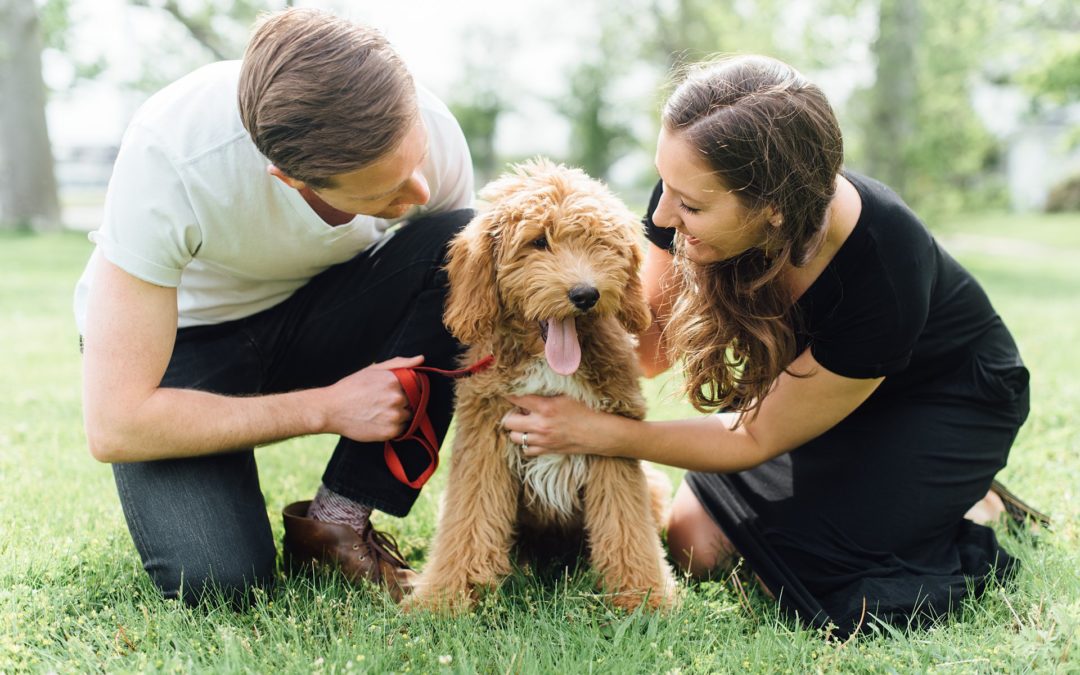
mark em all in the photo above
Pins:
pixel 873 508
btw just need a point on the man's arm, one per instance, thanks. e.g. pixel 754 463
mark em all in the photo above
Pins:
pixel 130 334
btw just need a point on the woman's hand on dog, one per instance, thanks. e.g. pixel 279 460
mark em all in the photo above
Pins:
pixel 556 425
pixel 368 405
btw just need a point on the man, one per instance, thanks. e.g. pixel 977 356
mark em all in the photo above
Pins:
pixel 248 287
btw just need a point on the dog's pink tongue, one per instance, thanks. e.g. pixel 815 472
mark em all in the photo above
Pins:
pixel 562 349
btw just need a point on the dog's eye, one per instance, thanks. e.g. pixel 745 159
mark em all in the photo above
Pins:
pixel 541 243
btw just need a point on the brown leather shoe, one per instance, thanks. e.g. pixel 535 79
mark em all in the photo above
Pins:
pixel 373 557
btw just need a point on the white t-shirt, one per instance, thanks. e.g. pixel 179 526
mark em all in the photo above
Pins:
pixel 190 204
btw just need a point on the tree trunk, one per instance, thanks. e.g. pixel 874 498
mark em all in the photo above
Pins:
pixel 28 192
pixel 893 104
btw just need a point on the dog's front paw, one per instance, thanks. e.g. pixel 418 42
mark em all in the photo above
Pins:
pixel 439 598
pixel 654 600
pixel 662 595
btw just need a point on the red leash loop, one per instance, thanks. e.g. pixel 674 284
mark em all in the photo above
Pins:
pixel 417 387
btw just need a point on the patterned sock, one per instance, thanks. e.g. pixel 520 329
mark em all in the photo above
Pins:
pixel 330 507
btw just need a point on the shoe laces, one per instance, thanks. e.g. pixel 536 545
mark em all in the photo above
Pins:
pixel 384 547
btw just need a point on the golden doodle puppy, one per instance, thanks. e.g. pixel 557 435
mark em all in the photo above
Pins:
pixel 546 280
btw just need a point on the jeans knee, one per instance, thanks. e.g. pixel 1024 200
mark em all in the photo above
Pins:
pixel 202 578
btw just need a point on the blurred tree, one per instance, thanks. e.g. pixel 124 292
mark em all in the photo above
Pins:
pixel 207 30
pixel 28 192
pixel 478 114
pixel 599 132
pixel 55 18
pixel 220 28
pixel 680 32
pixel 954 162
pixel 916 125
pixel 1058 76
pixel 1053 74
pixel 480 97
pixel 893 106
pixel 650 38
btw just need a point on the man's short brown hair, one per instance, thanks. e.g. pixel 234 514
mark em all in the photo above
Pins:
pixel 323 96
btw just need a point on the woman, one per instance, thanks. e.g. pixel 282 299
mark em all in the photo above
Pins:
pixel 869 391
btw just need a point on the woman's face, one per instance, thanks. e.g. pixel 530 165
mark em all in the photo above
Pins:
pixel 714 223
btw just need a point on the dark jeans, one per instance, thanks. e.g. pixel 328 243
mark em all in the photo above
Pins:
pixel 201 522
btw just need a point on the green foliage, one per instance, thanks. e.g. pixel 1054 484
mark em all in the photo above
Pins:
pixel 73 596
pixel 219 27
pixel 203 31
pixel 658 39
pixel 1056 78
pixel 954 161
pixel 1052 71
pixel 687 31
pixel 480 97
pixel 598 132
pixel 893 106
pixel 1064 196
pixel 918 130
pixel 55 19
pixel 479 120
pixel 1059 77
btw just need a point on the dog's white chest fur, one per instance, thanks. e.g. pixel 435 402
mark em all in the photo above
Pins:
pixel 551 483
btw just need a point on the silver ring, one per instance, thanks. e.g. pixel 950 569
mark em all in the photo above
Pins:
pixel 525 440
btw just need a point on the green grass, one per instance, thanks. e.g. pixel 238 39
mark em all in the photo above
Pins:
pixel 73 597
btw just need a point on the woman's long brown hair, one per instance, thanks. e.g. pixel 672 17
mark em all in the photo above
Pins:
pixel 773 140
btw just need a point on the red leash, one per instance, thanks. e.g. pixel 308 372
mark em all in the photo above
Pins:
pixel 418 389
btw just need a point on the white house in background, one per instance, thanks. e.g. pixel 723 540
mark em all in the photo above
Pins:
pixel 1041 149
pixel 1041 154
pixel 85 127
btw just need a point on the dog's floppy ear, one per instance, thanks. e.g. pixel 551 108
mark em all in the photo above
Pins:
pixel 473 303
pixel 634 313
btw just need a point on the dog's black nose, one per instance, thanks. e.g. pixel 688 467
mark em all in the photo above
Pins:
pixel 584 297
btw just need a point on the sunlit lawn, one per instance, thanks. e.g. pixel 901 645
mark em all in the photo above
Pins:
pixel 73 596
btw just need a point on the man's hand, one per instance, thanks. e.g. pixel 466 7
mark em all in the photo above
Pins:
pixel 369 405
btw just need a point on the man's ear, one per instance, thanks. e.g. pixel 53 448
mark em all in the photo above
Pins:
pixel 288 180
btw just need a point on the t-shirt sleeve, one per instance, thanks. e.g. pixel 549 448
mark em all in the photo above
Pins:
pixel 663 237
pixel 449 165
pixel 149 229
pixel 873 329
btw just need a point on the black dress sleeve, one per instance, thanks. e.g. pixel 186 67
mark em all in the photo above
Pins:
pixel 874 331
pixel 663 237
pixel 880 286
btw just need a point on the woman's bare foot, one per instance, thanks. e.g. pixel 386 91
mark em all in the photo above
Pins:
pixel 987 510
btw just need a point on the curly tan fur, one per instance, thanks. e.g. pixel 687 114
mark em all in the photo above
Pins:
pixel 546 229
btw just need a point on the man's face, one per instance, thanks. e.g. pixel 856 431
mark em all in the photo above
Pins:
pixel 390 186
pixel 386 188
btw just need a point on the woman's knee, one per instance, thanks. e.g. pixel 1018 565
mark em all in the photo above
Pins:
pixel 697 544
